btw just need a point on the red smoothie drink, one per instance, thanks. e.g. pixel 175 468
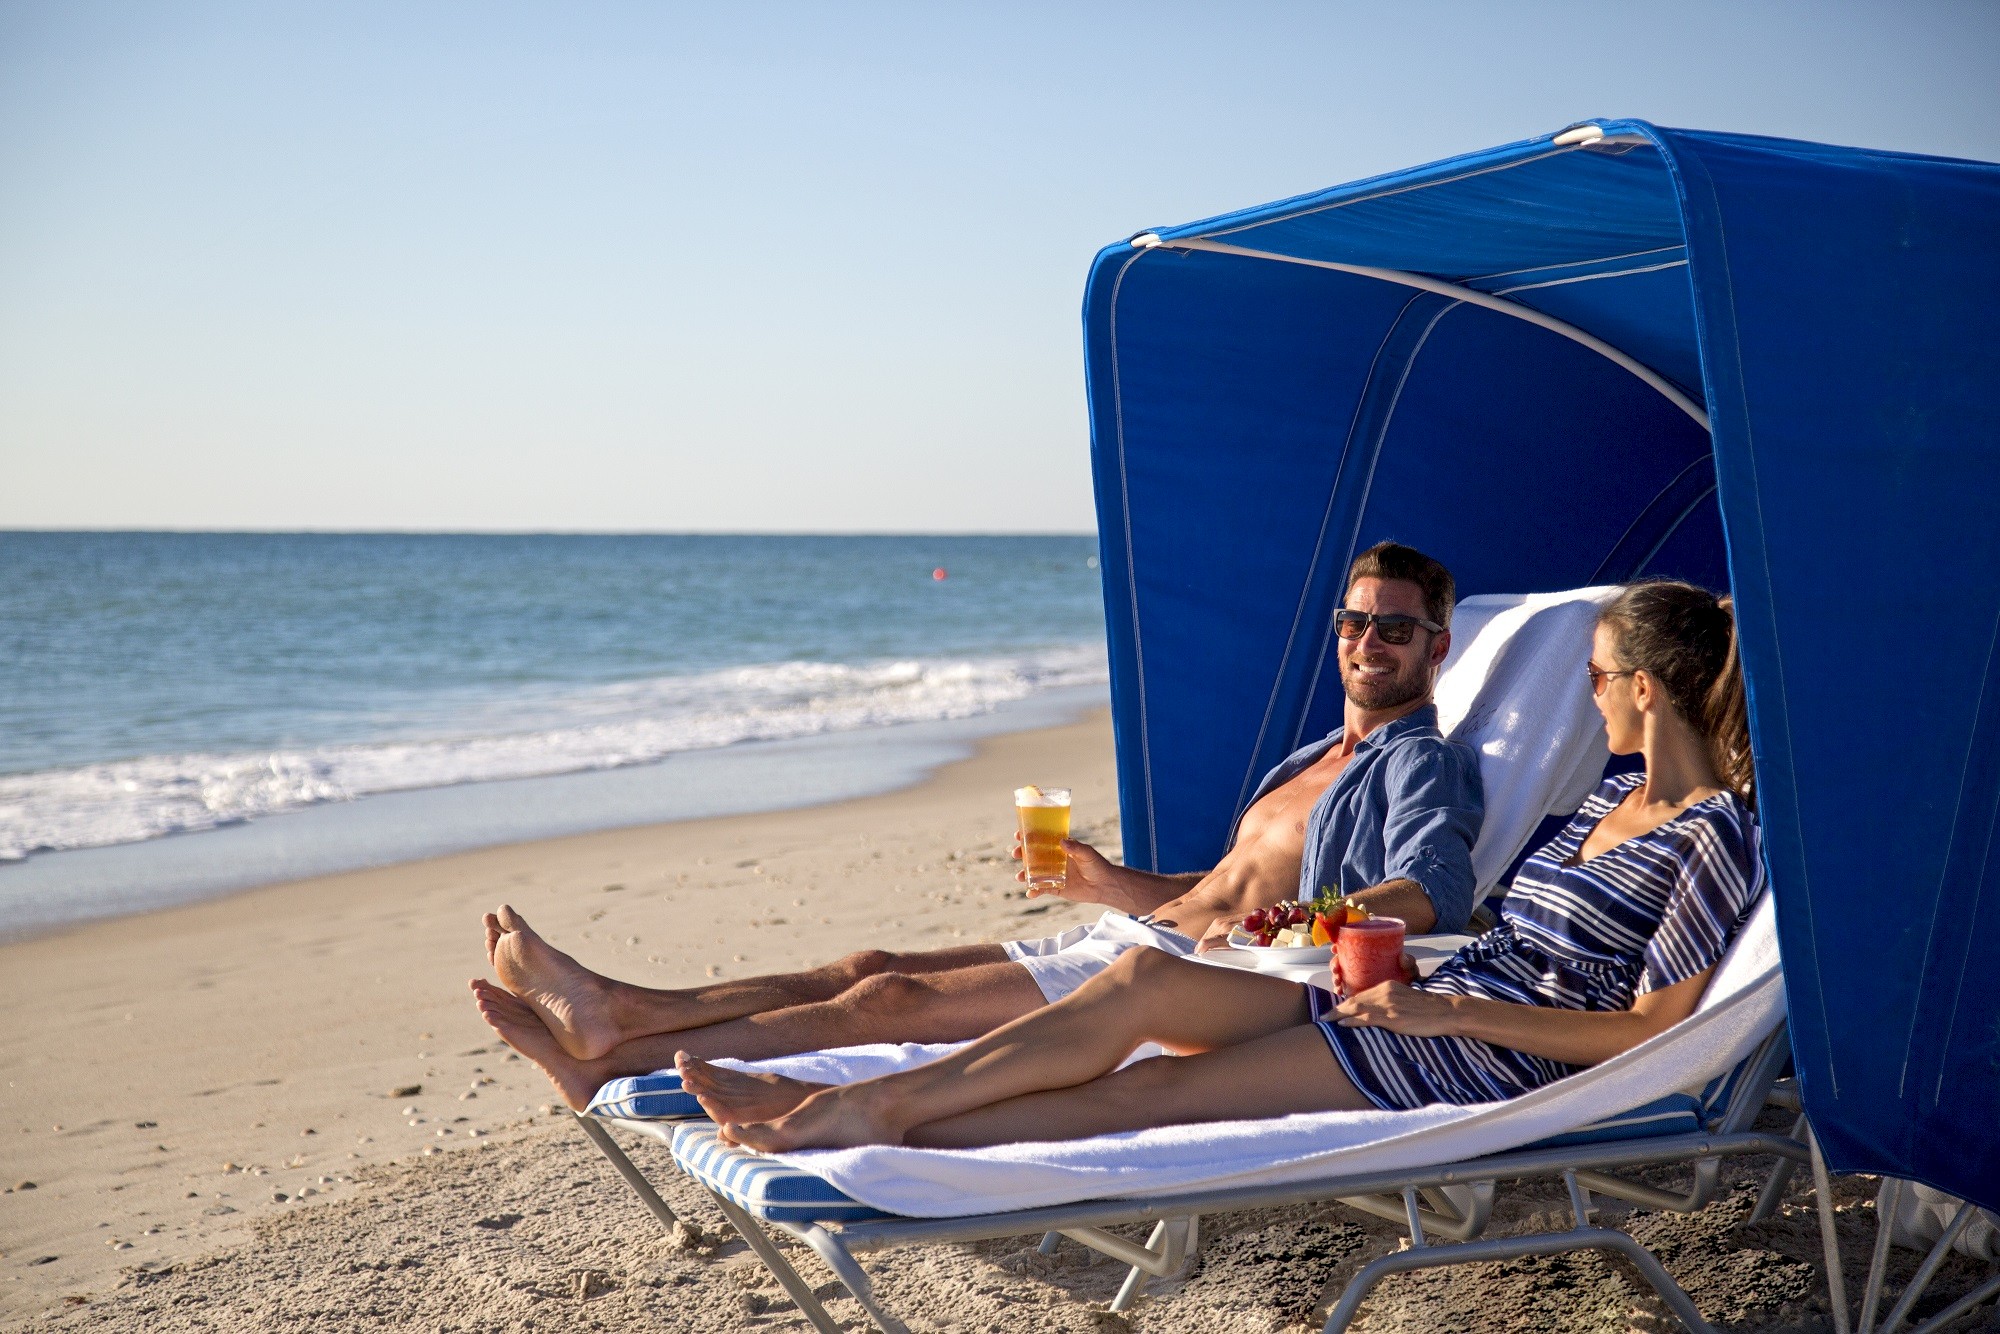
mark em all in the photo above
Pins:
pixel 1368 953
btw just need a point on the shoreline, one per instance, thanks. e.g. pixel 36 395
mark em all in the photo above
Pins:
pixel 53 891
pixel 176 1078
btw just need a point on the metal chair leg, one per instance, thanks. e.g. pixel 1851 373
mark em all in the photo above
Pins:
pixel 849 1271
pixel 1829 1236
pixel 794 1284
pixel 1928 1269
pixel 850 1274
pixel 1165 1251
pixel 1990 1288
pixel 633 1176
pixel 1886 1205
pixel 1128 1291
pixel 1514 1248
pixel 1773 1193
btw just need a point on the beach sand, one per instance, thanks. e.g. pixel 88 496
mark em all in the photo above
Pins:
pixel 214 1106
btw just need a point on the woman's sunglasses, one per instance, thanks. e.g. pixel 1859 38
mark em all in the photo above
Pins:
pixel 1393 629
pixel 1598 676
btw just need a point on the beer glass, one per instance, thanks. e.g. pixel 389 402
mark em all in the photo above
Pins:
pixel 1044 816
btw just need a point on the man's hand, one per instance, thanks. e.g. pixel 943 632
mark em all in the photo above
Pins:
pixel 1400 898
pixel 1090 877
pixel 1217 935
pixel 1400 1008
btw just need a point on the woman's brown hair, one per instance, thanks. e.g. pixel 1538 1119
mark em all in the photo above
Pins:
pixel 1684 637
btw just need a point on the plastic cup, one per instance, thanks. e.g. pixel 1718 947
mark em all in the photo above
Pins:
pixel 1044 816
pixel 1369 952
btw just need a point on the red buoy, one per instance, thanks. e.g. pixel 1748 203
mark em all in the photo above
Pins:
pixel 938 574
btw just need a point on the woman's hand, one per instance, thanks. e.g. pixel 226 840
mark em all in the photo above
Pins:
pixel 1089 877
pixel 1408 963
pixel 1400 1009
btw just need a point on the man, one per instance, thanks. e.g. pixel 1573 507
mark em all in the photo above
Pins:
pixel 1384 809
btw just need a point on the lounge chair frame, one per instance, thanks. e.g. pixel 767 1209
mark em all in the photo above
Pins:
pixel 1424 1210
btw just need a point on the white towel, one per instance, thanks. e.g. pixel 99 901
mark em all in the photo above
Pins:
pixel 1743 1003
pixel 1514 690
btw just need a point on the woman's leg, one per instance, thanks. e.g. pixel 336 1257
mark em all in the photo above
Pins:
pixel 1146 996
pixel 1286 1072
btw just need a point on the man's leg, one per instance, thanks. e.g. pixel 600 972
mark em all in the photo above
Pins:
pixel 953 1006
pixel 1050 1075
pixel 590 1014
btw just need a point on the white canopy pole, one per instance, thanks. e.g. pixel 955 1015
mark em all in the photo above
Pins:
pixel 1149 241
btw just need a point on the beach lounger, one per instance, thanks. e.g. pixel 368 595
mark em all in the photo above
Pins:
pixel 1432 1168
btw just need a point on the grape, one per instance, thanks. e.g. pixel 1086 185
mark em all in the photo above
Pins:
pixel 1254 923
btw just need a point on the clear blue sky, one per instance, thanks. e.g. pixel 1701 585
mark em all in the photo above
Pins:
pixel 805 267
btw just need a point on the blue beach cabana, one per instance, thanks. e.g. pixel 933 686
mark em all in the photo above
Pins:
pixel 1621 350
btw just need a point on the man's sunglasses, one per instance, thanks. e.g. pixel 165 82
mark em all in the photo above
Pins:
pixel 1393 629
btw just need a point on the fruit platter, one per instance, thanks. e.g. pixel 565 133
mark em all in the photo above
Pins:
pixel 1296 934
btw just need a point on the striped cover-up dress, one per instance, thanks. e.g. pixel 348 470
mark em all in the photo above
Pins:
pixel 1652 911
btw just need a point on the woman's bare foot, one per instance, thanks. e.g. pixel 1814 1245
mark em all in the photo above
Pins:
pixel 574 1003
pixel 835 1117
pixel 520 1026
pixel 746 1096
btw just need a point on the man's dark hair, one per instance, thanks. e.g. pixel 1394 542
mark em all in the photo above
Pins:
pixel 1393 560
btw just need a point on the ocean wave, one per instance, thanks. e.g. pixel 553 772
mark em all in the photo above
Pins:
pixel 524 736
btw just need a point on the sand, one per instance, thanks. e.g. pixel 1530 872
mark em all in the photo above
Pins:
pixel 213 1105
pixel 170 1076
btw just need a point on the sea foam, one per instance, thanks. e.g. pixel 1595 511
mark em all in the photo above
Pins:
pixel 527 733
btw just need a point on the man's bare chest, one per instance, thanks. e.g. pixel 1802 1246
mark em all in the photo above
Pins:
pixel 1285 811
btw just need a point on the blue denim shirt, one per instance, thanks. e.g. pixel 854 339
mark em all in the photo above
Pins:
pixel 1407 806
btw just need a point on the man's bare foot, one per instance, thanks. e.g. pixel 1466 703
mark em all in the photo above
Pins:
pixel 521 1028
pixel 574 1003
pixel 837 1117
pixel 746 1096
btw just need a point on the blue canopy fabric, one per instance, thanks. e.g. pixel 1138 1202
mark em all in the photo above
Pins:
pixel 1258 418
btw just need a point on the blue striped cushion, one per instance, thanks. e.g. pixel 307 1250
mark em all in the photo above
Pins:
pixel 1715 1097
pixel 1675 1114
pixel 769 1189
pixel 645 1098
pixel 764 1186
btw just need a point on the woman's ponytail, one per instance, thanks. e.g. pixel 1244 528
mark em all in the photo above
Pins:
pixel 1725 719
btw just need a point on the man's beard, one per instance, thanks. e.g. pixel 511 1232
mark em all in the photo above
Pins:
pixel 1377 693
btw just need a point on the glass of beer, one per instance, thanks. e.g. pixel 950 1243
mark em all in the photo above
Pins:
pixel 1369 952
pixel 1044 816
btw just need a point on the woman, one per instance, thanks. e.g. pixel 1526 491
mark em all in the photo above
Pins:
pixel 1607 937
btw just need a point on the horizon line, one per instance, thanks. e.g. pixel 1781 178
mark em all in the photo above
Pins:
pixel 537 532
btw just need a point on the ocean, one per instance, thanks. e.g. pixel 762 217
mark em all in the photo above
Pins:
pixel 156 684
